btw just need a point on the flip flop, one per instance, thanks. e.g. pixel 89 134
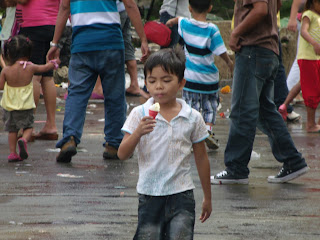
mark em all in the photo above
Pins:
pixel 129 94
pixel 46 136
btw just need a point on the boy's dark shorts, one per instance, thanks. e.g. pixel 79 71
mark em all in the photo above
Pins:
pixel 15 120
pixel 40 37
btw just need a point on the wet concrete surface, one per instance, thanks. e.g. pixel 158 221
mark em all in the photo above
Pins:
pixel 92 198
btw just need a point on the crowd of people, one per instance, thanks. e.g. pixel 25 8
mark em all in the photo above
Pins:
pixel 101 46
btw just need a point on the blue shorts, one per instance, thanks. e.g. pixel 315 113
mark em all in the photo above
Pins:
pixel 206 104
pixel 166 217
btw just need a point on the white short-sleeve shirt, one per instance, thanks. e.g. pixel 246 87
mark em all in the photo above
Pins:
pixel 164 154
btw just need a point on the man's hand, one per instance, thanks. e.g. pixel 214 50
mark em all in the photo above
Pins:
pixel 53 53
pixel 234 42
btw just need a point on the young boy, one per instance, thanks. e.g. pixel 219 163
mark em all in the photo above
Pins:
pixel 202 40
pixel 165 186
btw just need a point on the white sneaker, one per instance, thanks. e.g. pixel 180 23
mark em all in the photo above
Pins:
pixel 293 116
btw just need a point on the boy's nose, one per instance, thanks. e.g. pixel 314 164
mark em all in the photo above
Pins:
pixel 159 85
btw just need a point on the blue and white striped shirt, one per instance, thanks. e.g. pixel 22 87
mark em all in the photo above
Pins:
pixel 95 25
pixel 202 41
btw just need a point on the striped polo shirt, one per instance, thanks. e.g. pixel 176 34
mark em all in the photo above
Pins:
pixel 95 25
pixel 202 41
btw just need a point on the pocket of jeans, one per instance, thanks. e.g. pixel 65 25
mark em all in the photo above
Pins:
pixel 188 195
pixel 144 199
pixel 266 66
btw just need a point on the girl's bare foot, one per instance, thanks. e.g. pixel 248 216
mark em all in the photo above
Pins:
pixel 314 129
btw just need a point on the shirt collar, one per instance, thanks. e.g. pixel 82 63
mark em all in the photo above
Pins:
pixel 184 112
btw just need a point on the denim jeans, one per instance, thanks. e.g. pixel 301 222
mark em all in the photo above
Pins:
pixel 175 37
pixel 84 69
pixel 169 217
pixel 252 106
pixel 280 84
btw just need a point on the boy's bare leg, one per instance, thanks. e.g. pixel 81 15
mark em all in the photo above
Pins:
pixel 133 73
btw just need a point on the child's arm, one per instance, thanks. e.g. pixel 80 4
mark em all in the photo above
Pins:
pixel 130 141
pixel 203 166
pixel 228 61
pixel 2 79
pixel 44 68
pixel 305 34
pixel 2 63
pixel 172 21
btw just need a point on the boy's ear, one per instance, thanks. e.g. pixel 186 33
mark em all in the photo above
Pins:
pixel 182 83
pixel 210 8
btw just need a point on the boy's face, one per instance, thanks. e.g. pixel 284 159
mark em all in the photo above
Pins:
pixel 163 86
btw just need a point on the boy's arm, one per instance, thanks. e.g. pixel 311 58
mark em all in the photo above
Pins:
pixel 173 21
pixel 227 60
pixel 135 18
pixel 130 141
pixel 203 166
pixel 292 24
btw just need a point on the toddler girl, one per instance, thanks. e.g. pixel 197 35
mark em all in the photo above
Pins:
pixel 309 62
pixel 17 100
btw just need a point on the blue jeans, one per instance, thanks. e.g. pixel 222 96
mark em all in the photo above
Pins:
pixel 280 84
pixel 169 217
pixel 175 37
pixel 252 106
pixel 84 69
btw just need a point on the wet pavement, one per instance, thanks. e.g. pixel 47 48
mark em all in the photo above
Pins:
pixel 92 198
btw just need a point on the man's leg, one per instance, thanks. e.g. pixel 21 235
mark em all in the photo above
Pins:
pixel 82 80
pixel 111 71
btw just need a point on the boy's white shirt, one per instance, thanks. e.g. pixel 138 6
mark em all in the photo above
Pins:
pixel 164 154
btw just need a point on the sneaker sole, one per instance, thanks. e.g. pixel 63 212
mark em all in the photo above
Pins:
pixel 22 150
pixel 107 155
pixel 243 181
pixel 211 145
pixel 273 179
pixel 65 156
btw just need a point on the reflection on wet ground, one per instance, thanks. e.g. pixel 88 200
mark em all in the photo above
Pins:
pixel 96 199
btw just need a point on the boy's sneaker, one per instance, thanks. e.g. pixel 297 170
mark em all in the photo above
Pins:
pixel 211 141
pixel 225 177
pixel 286 175
pixel 293 116
pixel 23 152
pixel 68 150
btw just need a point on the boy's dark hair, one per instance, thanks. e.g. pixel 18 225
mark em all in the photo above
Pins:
pixel 200 6
pixel 172 61
pixel 17 47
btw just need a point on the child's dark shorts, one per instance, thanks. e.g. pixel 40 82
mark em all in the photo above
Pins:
pixel 15 120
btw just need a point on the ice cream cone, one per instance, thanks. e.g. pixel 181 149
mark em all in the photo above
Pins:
pixel 153 113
